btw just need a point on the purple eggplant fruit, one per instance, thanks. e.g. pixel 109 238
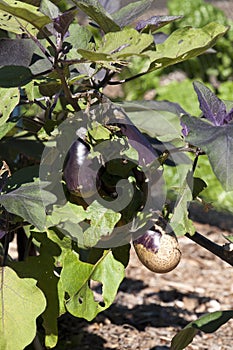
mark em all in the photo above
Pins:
pixel 80 172
pixel 158 250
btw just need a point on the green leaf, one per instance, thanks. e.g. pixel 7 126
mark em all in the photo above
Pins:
pixel 26 201
pixel 158 119
pixel 180 221
pixel 97 12
pixel 67 219
pixel 14 76
pixel 130 12
pixel 9 100
pixel 76 276
pixel 5 128
pixel 21 303
pixel 42 268
pixel 198 186
pixel 118 46
pixel 15 16
pixel 102 223
pixel 208 323
pixel 125 43
pixel 217 142
pixel 185 43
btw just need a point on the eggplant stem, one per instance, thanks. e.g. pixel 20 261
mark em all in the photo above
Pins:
pixel 212 247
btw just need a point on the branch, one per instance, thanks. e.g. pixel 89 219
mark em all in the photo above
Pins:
pixel 116 82
pixel 218 250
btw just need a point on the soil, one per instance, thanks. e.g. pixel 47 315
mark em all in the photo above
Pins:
pixel 151 308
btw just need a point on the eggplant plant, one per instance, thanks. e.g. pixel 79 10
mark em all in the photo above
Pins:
pixel 82 177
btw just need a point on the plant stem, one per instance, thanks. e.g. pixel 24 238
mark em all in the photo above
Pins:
pixel 66 89
pixel 212 247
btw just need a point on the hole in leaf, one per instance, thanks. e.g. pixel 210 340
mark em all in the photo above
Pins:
pixel 97 289
pixel 102 303
pixel 80 300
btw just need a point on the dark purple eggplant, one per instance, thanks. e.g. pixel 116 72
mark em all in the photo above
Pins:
pixel 157 250
pixel 80 173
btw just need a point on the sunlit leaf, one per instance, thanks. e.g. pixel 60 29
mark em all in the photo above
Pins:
pixel 208 323
pixel 75 277
pixel 41 268
pixel 21 303
pixel 9 100
pixel 102 223
pixel 185 43
pixel 15 16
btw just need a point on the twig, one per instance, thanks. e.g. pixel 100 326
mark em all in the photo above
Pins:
pixel 214 248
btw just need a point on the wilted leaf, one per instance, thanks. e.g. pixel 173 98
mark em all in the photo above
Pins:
pixel 217 142
pixel 21 303
pixel 75 277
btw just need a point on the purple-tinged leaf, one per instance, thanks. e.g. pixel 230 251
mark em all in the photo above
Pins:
pixel 110 6
pixel 160 37
pixel 2 233
pixel 16 52
pixel 129 13
pixel 229 116
pixel 63 21
pixel 217 143
pixel 155 22
pixel 212 107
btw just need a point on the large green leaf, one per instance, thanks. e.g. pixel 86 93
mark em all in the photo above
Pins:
pixel 21 303
pixel 102 223
pixel 26 201
pixel 97 12
pixel 118 46
pixel 158 119
pixel 15 16
pixel 217 142
pixel 41 268
pixel 180 221
pixel 130 12
pixel 185 43
pixel 208 323
pixel 76 276
pixel 9 100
